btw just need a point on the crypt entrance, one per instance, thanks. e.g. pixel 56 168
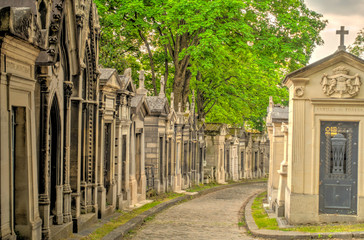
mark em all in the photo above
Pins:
pixel 338 167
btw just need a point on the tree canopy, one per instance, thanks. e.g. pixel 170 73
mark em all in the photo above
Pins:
pixel 233 53
pixel 357 48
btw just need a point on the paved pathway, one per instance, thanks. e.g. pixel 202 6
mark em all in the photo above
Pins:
pixel 212 216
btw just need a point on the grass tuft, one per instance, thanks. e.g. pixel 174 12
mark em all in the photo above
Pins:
pixel 260 216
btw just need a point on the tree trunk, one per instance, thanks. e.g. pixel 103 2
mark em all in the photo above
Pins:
pixel 150 61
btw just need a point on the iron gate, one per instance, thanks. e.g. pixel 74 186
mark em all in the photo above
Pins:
pixel 338 167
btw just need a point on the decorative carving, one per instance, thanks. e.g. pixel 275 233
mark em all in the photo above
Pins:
pixel 79 19
pixel 55 26
pixel 51 52
pixel 22 22
pixel 341 84
pixel 67 87
pixel 338 153
pixel 59 6
pixel 52 39
pixel 299 91
pixel 57 17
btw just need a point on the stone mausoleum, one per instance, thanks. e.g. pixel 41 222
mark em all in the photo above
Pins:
pixel 324 141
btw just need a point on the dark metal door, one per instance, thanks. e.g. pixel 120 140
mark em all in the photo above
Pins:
pixel 338 167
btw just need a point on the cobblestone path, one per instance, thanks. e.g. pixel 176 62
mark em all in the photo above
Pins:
pixel 212 216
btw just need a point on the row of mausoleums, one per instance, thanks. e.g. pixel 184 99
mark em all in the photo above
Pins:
pixel 316 145
pixel 78 142
pixel 234 153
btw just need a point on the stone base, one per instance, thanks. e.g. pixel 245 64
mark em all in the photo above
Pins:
pixel 61 231
pixel 279 210
pixel 83 222
pixel 133 192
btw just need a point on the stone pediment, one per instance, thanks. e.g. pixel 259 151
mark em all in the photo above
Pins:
pixel 337 57
pixel 336 76
pixel 109 79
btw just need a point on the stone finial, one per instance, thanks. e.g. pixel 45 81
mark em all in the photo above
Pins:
pixel 193 101
pixel 127 73
pixel 141 89
pixel 179 107
pixel 172 100
pixel 187 107
pixel 141 79
pixel 162 87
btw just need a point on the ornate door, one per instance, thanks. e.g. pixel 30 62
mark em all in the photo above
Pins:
pixel 338 167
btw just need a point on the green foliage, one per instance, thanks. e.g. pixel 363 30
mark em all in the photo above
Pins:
pixel 357 48
pixel 233 53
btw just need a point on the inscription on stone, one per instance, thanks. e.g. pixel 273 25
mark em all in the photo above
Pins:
pixel 341 109
pixel 18 68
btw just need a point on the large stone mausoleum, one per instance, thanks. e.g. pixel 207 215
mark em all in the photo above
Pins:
pixel 322 155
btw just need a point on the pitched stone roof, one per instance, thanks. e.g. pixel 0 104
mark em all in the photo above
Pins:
pixel 279 114
pixel 136 100
pixel 213 126
pixel 156 104
pixel 106 73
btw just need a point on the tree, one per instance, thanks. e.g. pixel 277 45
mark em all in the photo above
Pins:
pixel 236 46
pixel 357 48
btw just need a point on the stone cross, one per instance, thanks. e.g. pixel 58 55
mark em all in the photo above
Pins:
pixel 172 100
pixel 179 107
pixel 161 92
pixel 141 79
pixel 342 33
pixel 141 89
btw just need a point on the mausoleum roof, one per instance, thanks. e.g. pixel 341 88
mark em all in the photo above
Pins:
pixel 136 100
pixel 106 73
pixel 325 62
pixel 279 114
pixel 156 104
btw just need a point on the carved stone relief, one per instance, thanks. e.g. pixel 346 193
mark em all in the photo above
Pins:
pixel 341 84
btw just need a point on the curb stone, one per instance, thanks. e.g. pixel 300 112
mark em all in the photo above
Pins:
pixel 276 234
pixel 137 221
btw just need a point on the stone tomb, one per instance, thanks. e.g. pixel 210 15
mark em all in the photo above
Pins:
pixel 325 177
pixel 277 116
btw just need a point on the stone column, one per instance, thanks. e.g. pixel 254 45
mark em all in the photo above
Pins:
pixel 132 177
pixel 67 217
pixel 296 139
pixel 118 161
pixel 44 201
pixel 282 175
pixel 101 191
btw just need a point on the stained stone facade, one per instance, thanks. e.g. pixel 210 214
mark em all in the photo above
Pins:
pixel 319 177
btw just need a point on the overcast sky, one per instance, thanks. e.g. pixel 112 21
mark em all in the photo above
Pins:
pixel 348 13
